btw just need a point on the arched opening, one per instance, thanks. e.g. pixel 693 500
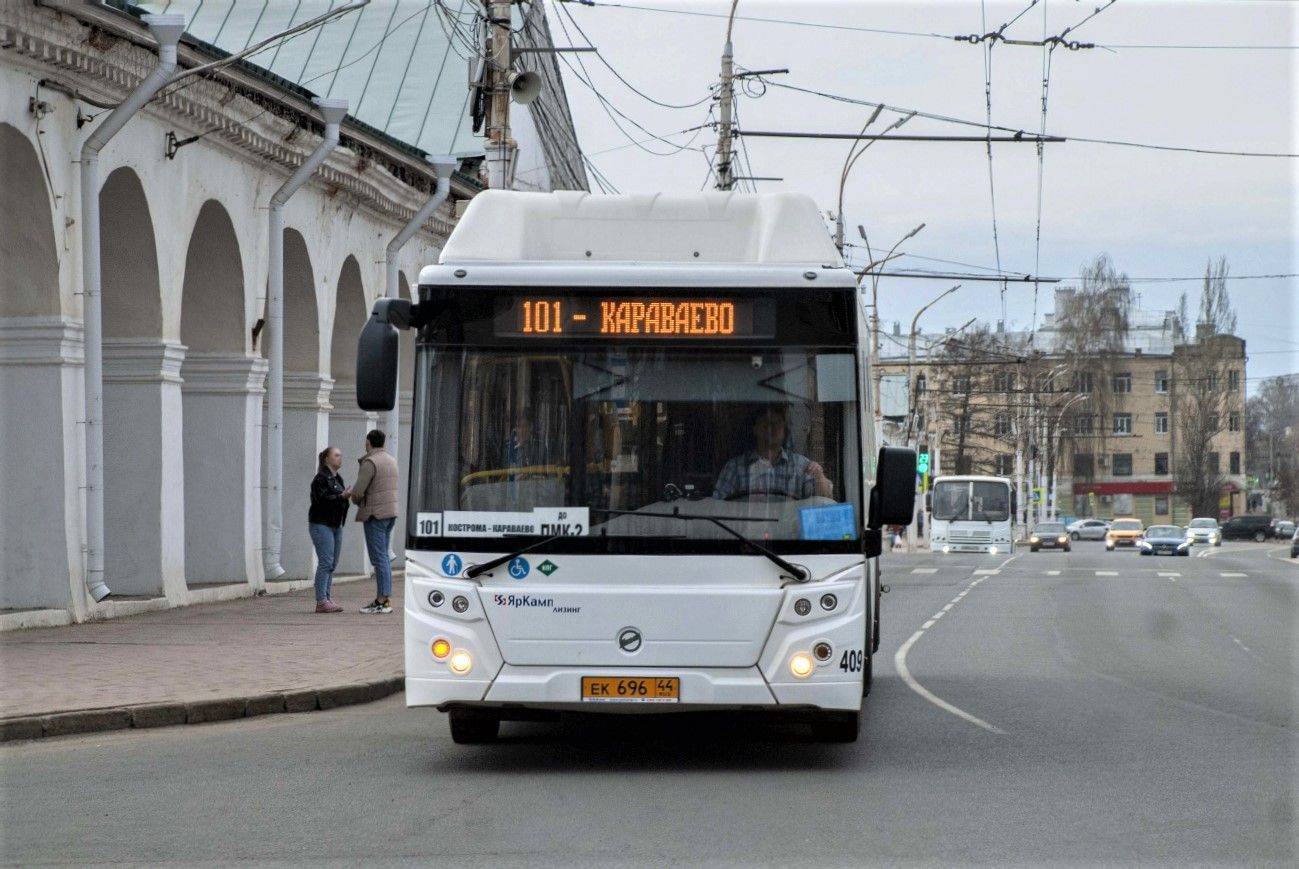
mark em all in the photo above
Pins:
pixel 40 538
pixel 306 404
pixel 141 401
pixel 222 397
pixel 348 424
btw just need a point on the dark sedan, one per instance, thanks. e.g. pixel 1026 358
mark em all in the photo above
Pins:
pixel 1164 540
pixel 1049 535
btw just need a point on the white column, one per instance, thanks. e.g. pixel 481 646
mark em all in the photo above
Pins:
pixel 306 433
pixel 144 505
pixel 41 408
pixel 222 397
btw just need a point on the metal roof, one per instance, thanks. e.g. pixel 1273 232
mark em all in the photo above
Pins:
pixel 402 65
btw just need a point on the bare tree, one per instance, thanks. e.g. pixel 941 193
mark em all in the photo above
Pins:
pixel 1200 394
pixel 1092 334
pixel 969 400
pixel 1272 439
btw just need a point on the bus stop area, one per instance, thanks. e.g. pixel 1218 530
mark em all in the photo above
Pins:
pixel 206 662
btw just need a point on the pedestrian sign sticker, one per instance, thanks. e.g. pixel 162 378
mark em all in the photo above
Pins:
pixel 451 564
pixel 548 567
pixel 519 567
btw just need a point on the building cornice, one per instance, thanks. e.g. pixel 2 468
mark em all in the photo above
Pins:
pixel 204 107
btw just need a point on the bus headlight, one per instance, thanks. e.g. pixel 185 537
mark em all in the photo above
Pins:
pixel 947 550
pixel 1034 539
pixel 801 665
pixel 992 550
pixel 461 662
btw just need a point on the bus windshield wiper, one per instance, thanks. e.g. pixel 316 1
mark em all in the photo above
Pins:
pixel 479 569
pixel 799 574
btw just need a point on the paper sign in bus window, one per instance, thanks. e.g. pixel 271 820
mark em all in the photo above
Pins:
pixel 831 522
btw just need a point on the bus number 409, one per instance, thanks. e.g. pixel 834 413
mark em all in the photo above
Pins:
pixel 852 661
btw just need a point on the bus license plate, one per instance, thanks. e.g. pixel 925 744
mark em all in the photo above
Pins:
pixel 620 689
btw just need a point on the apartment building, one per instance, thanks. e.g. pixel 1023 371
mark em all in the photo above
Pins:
pixel 1095 434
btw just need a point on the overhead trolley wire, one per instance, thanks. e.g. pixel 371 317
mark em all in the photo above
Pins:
pixel 992 190
pixel 948 119
pixel 600 55
pixel 610 109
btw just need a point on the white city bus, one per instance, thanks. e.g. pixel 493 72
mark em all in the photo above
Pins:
pixel 971 514
pixel 639 473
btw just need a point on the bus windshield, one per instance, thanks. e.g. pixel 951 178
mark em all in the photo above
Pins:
pixel 979 501
pixel 615 439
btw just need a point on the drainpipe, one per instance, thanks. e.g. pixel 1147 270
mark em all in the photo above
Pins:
pixel 443 167
pixel 332 112
pixel 166 31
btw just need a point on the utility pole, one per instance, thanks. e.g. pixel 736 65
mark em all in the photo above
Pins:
pixel 726 97
pixel 500 147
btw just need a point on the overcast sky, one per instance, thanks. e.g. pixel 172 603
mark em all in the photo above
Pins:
pixel 1156 213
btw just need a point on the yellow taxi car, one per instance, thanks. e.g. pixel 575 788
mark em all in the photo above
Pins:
pixel 1123 532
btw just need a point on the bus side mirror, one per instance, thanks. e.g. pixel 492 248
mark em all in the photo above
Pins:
pixel 893 497
pixel 377 353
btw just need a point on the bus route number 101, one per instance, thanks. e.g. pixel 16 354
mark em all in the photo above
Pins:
pixel 544 318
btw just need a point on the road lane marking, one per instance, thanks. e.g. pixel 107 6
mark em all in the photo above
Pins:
pixel 900 662
pixel 987 572
pixel 1107 573
pixel 900 657
pixel 1167 573
pixel 925 570
pixel 1053 573
pixel 1233 574
pixel 1242 645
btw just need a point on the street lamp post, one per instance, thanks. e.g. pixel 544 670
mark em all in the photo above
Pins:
pixel 1051 490
pixel 912 394
pixel 851 160
pixel 875 318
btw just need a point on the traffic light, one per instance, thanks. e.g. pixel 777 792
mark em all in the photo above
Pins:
pixel 922 463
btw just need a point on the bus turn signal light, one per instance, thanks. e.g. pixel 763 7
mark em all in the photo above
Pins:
pixel 441 648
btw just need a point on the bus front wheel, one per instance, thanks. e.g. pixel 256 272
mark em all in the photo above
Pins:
pixel 469 727
pixel 836 727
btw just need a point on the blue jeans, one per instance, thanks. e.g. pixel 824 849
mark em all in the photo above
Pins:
pixel 378 537
pixel 329 543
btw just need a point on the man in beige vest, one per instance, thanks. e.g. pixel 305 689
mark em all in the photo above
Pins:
pixel 375 493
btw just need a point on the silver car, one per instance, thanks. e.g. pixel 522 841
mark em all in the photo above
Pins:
pixel 1204 530
pixel 1088 529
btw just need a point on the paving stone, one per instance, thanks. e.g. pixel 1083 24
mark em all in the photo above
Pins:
pixel 255 648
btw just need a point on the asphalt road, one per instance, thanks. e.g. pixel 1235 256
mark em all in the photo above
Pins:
pixel 1091 707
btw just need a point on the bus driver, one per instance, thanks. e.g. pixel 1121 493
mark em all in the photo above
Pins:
pixel 769 468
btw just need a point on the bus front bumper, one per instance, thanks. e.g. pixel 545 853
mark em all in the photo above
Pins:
pixel 559 689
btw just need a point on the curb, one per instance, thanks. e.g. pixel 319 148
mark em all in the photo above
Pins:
pixel 198 712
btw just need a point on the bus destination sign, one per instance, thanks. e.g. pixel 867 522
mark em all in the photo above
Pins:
pixel 634 317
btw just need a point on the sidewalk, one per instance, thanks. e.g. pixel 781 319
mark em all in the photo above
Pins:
pixel 206 662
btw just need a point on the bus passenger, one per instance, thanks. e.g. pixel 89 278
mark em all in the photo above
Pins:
pixel 769 468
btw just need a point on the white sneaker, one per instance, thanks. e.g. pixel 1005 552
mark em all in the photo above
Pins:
pixel 377 606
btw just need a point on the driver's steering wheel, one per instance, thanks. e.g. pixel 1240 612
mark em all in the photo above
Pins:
pixel 764 495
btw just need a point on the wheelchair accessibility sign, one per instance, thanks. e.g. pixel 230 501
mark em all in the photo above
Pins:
pixel 452 564
pixel 519 567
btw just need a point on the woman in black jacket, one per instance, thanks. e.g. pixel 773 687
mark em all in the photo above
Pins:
pixel 325 522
